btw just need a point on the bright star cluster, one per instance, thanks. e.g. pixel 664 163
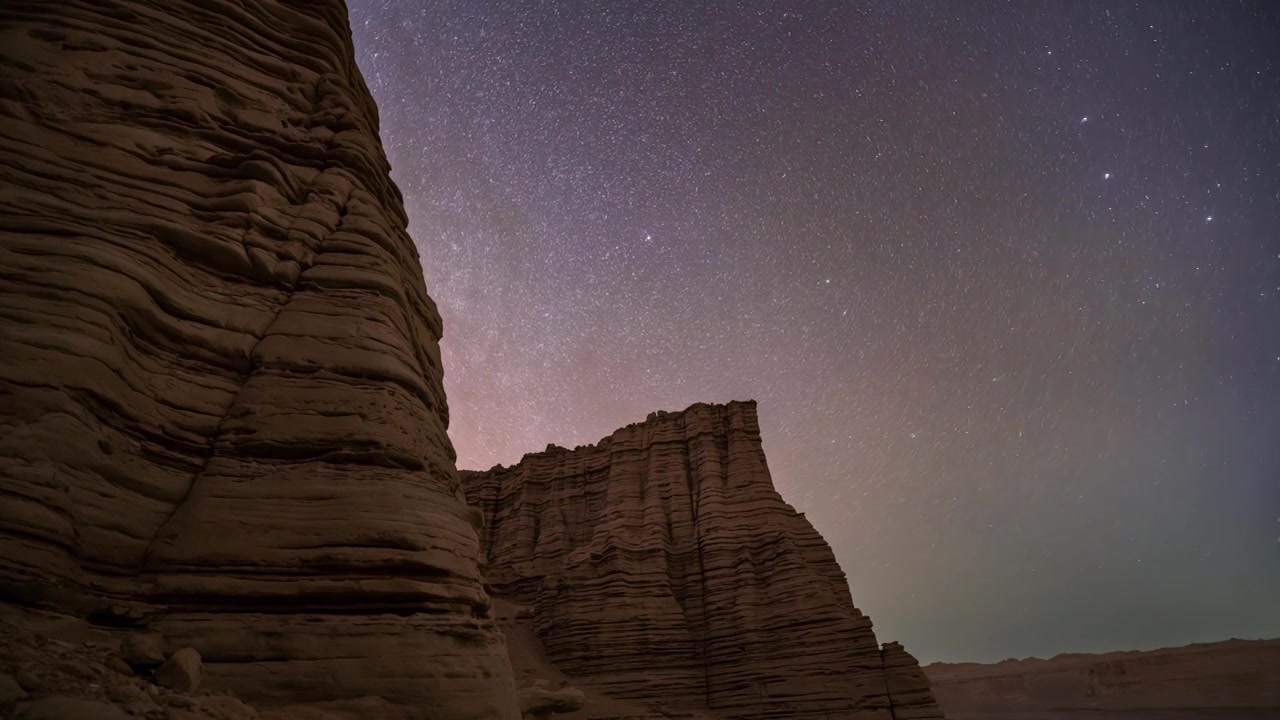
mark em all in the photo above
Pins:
pixel 1003 277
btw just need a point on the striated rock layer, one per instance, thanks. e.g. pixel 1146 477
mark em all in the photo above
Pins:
pixel 663 567
pixel 221 411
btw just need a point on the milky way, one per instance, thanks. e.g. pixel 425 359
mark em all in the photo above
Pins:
pixel 1003 277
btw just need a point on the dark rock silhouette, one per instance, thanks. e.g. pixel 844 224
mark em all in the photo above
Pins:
pixel 661 566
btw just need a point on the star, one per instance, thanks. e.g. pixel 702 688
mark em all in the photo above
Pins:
pixel 995 290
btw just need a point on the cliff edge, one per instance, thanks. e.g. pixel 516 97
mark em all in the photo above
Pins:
pixel 660 566
pixel 222 422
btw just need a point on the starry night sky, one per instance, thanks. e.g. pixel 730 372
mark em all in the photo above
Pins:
pixel 1003 277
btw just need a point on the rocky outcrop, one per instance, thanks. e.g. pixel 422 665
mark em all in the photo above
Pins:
pixel 221 411
pixel 908 687
pixel 1240 676
pixel 55 667
pixel 662 567
pixel 540 702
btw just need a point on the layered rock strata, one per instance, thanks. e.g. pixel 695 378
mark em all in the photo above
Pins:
pixel 221 411
pixel 662 566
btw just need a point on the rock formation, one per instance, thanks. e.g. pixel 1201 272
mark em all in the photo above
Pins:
pixel 908 687
pixel 221 411
pixel 662 567
pixel 1235 678
pixel 226 474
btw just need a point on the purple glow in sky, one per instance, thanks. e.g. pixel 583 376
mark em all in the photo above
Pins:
pixel 1004 279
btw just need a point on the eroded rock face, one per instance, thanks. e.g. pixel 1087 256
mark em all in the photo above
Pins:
pixel 910 696
pixel 662 566
pixel 221 410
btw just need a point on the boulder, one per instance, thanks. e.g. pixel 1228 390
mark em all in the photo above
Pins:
pixel 182 671
pixel 142 651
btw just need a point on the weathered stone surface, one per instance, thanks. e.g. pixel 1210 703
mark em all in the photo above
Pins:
pixel 1235 678
pixel 221 410
pixel 663 567
pixel 142 650
pixel 910 696
pixel 66 666
pixel 182 671
pixel 10 693
pixel 539 702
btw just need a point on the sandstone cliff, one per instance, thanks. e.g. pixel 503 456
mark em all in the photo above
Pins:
pixel 221 411
pixel 661 566
pixel 1235 678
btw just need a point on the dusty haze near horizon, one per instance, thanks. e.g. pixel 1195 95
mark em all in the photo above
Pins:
pixel 1005 280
